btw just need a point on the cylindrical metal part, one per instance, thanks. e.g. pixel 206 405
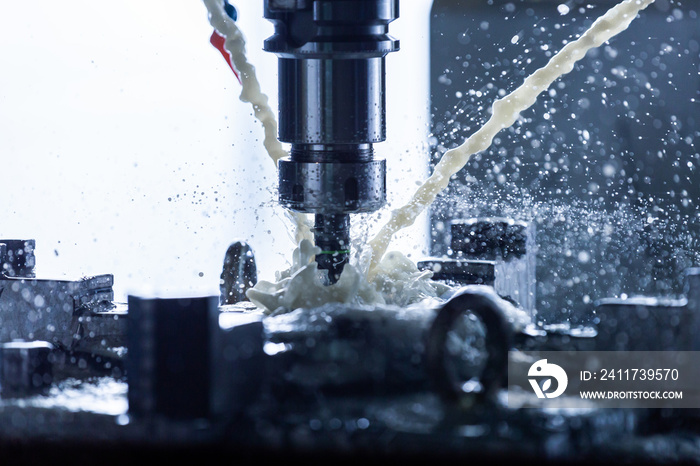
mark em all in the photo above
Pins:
pixel 331 28
pixel 332 101
pixel 332 187
pixel 169 367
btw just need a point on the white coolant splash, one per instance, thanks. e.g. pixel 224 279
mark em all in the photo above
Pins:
pixel 397 282
pixel 397 286
pixel 252 93
pixel 504 113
